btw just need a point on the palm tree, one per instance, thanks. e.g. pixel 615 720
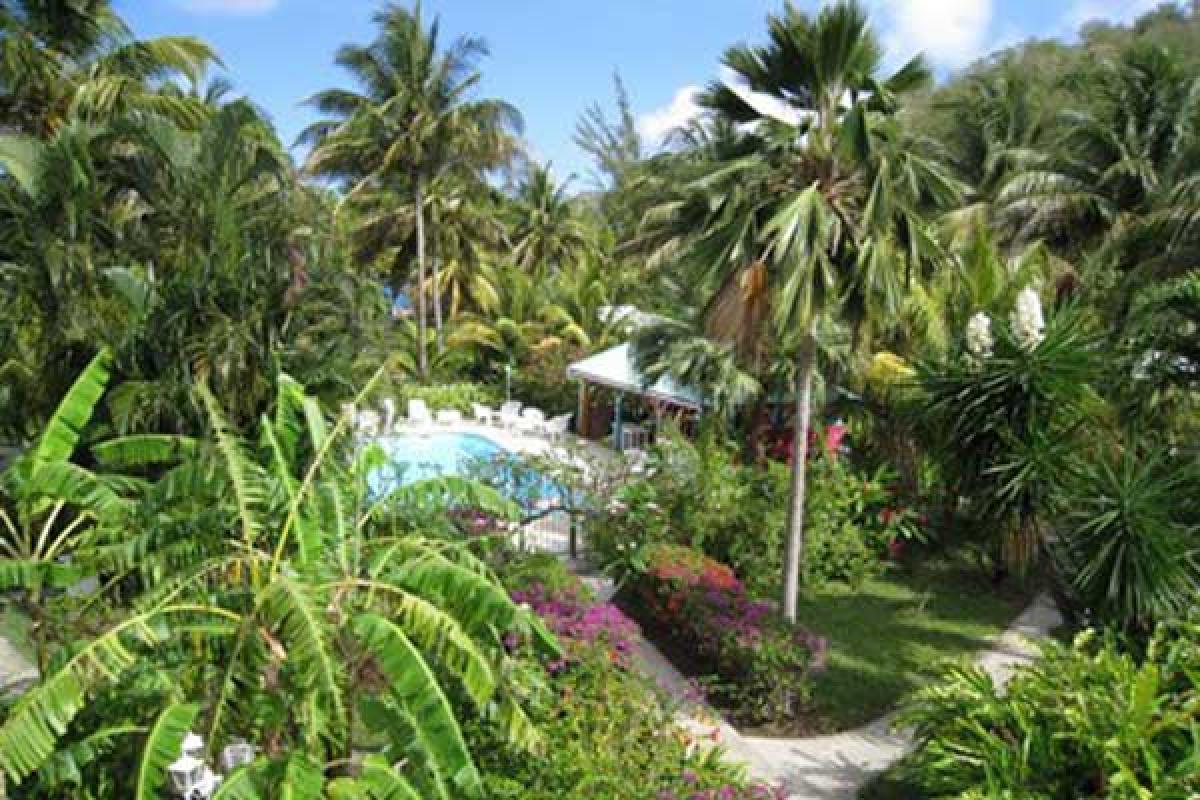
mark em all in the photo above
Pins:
pixel 1118 186
pixel 823 217
pixel 63 60
pixel 547 234
pixel 412 119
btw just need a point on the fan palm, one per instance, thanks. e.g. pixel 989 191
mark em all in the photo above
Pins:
pixel 412 119
pixel 1119 185
pixel 822 217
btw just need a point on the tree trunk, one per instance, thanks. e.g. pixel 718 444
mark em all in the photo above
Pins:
pixel 805 366
pixel 422 366
pixel 436 298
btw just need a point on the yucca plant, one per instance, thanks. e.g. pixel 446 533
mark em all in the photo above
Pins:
pixel 1127 550
pixel 339 642
pixel 1003 422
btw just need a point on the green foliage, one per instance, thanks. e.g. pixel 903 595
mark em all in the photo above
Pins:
pixel 1090 720
pixel 1002 423
pixel 1128 548
pixel 612 734
pixel 248 628
pixel 458 396
pixel 162 748
pixel 700 494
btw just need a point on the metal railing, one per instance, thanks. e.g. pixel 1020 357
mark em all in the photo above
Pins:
pixel 554 531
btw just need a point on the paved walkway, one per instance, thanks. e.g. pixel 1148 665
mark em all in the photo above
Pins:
pixel 16 673
pixel 838 765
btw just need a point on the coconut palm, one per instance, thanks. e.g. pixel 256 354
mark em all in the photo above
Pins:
pixel 412 119
pixel 822 218
pixel 547 233
pixel 62 60
pixel 1119 184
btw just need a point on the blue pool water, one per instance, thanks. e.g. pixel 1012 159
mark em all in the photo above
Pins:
pixel 417 458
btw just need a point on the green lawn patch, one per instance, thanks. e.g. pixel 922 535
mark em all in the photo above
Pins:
pixel 885 636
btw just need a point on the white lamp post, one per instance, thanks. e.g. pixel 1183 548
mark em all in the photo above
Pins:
pixel 236 754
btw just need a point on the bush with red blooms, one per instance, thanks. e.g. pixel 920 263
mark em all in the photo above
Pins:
pixel 761 663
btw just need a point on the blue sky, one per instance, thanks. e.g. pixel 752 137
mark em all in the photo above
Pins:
pixel 553 58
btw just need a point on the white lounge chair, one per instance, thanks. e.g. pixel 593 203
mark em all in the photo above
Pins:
pixel 449 416
pixel 510 414
pixel 557 427
pixel 418 413
pixel 483 414
pixel 533 420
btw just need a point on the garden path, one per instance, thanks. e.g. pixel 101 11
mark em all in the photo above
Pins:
pixel 836 766
pixel 16 673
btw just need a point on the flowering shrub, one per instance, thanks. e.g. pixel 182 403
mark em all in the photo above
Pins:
pixel 762 664
pixel 610 736
pixel 630 521
pixel 580 622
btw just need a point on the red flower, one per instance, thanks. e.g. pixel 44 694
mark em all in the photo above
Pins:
pixel 834 435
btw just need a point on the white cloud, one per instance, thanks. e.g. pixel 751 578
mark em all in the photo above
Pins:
pixel 228 6
pixel 950 33
pixel 655 125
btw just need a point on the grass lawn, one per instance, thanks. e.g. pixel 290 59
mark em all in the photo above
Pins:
pixel 886 635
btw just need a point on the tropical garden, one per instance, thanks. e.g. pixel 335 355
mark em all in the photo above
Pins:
pixel 946 333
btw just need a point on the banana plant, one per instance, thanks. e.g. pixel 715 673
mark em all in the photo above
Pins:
pixel 343 644
pixel 51 506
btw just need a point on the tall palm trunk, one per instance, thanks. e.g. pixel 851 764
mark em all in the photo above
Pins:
pixel 422 366
pixel 805 368
pixel 436 298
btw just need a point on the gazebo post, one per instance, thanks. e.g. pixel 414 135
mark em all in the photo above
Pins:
pixel 617 421
pixel 581 420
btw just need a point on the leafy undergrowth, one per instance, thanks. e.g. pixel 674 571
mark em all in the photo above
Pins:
pixel 886 635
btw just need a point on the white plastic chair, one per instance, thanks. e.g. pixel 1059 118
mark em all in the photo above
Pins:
pixel 389 414
pixel 368 423
pixel 638 460
pixel 532 421
pixel 449 416
pixel 557 427
pixel 510 414
pixel 418 412
pixel 483 414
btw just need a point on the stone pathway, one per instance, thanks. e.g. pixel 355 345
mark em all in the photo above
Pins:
pixel 839 765
pixel 16 673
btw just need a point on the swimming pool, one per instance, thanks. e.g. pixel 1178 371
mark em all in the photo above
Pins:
pixel 413 458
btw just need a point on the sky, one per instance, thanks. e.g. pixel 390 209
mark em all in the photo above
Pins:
pixel 554 58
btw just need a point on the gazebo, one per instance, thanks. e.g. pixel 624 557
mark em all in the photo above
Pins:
pixel 615 369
